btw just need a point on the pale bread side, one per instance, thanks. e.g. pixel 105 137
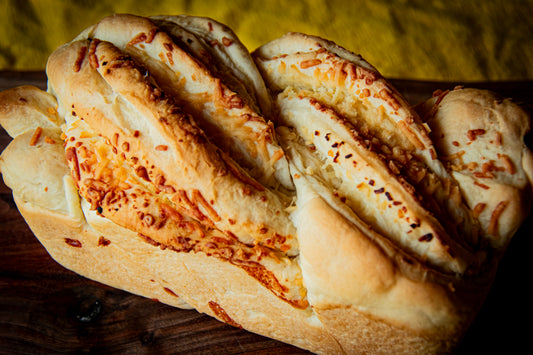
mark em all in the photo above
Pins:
pixel 372 304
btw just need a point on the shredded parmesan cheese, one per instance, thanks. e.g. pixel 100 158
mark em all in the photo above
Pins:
pixel 494 218
pixel 36 135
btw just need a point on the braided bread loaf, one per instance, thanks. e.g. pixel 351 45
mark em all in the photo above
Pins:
pixel 292 191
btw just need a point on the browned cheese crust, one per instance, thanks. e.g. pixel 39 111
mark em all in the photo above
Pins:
pixel 154 134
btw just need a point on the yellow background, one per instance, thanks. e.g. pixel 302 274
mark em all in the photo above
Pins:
pixel 424 39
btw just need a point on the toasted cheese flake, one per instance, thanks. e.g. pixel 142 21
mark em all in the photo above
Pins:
pixel 310 63
pixel 495 217
pixel 36 135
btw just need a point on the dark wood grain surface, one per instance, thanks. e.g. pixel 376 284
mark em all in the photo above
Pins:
pixel 46 309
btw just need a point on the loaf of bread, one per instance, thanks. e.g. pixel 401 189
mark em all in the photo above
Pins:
pixel 291 191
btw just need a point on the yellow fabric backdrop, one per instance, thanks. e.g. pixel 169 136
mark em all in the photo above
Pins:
pixel 464 40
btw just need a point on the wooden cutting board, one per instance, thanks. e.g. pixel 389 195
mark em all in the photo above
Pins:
pixel 45 308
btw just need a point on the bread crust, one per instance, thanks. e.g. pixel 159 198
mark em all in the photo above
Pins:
pixel 332 76
pixel 367 186
pixel 230 119
pixel 25 108
pixel 481 137
pixel 161 123
pixel 224 45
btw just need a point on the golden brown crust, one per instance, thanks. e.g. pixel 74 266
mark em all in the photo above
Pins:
pixel 228 117
pixel 162 123
pixel 113 189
